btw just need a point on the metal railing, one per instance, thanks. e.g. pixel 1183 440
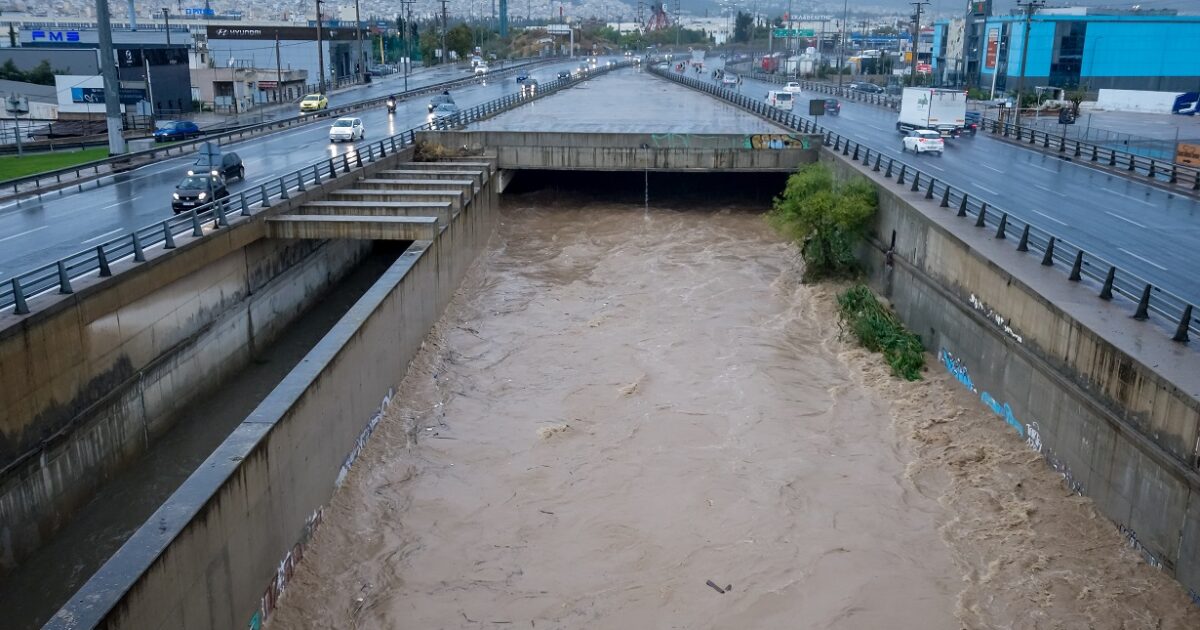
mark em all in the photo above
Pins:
pixel 58 277
pixel 1163 170
pixel 52 180
pixel 1002 223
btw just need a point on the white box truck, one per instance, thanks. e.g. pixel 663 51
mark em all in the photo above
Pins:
pixel 944 111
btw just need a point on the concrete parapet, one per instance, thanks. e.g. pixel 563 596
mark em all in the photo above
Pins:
pixel 782 152
pixel 1110 402
pixel 349 226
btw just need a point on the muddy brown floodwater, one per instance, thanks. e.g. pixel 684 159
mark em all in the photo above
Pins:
pixel 621 405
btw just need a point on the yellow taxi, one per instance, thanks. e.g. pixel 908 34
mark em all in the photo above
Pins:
pixel 314 102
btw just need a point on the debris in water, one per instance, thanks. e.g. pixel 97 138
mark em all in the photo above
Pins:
pixel 715 587
pixel 728 587
pixel 547 432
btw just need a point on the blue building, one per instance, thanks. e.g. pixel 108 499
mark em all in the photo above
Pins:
pixel 1071 48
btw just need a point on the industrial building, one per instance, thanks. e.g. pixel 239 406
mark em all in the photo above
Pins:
pixel 1070 48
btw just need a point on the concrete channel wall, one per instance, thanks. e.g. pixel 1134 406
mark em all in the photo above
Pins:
pixel 1110 402
pixel 781 152
pixel 90 379
pixel 218 553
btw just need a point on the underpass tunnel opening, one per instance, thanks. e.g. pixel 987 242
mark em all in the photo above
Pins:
pixel 661 189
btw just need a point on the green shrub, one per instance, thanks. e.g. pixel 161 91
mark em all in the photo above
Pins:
pixel 826 217
pixel 879 330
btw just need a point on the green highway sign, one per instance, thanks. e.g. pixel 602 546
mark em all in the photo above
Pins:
pixel 783 33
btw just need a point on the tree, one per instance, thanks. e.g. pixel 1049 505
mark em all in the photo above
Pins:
pixel 827 218
pixel 742 27
pixel 460 39
pixel 42 74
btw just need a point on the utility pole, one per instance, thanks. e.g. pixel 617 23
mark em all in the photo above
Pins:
pixel 108 69
pixel 1030 7
pixel 678 25
pixel 445 53
pixel 320 53
pixel 167 20
pixel 842 40
pixel 362 56
pixel 278 71
pixel 916 39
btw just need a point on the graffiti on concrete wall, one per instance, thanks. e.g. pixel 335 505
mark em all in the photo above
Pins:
pixel 776 141
pixel 287 566
pixel 361 442
pixel 996 318
pixel 957 369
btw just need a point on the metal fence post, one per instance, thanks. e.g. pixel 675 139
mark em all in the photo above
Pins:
pixel 916 185
pixel 1023 246
pixel 900 177
pixel 981 220
pixel 197 230
pixel 1048 257
pixel 245 204
pixel 102 258
pixel 64 280
pixel 1143 307
pixel 1106 290
pixel 168 237
pixel 1077 267
pixel 266 198
pixel 929 193
pixel 345 164
pixel 1181 333
pixel 1003 224
pixel 138 254
pixel 19 305
pixel 962 206
pixel 358 159
pixel 283 193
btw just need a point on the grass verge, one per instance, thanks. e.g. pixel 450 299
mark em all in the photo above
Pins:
pixel 12 167
pixel 879 330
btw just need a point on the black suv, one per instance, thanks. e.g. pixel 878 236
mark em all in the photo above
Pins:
pixel 833 107
pixel 230 167
pixel 194 191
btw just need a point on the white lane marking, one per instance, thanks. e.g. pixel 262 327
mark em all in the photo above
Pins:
pixel 1115 215
pixel 96 238
pixel 1049 190
pixel 985 189
pixel 1109 190
pixel 113 205
pixel 879 128
pixel 991 168
pixel 36 229
pixel 1048 170
pixel 936 167
pixel 1148 262
pixel 1049 217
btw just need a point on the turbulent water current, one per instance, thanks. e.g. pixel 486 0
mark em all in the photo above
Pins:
pixel 625 412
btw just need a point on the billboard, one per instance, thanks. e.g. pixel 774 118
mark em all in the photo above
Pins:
pixel 993 48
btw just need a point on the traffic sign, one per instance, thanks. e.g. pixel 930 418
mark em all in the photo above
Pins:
pixel 783 33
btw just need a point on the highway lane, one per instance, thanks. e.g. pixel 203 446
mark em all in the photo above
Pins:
pixel 1138 227
pixel 42 232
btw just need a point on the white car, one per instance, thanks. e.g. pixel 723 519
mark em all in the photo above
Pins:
pixel 482 68
pixel 792 87
pixel 924 141
pixel 346 130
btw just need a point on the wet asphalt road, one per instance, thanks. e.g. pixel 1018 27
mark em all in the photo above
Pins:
pixel 1139 228
pixel 38 232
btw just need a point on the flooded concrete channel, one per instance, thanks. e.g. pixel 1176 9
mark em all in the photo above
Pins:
pixel 638 417
pixel 31 594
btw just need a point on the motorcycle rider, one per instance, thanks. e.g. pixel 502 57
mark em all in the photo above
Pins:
pixel 391 104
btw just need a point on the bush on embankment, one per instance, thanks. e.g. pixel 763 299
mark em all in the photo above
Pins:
pixel 879 330
pixel 827 218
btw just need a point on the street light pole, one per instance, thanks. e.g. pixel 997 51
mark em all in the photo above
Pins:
pixel 1030 7
pixel 362 56
pixel 842 52
pixel 108 69
pixel 320 52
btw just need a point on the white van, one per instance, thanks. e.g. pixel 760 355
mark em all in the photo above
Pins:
pixel 780 99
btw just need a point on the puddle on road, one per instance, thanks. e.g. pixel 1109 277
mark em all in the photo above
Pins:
pixel 621 405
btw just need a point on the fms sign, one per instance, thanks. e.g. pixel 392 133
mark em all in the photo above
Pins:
pixel 55 36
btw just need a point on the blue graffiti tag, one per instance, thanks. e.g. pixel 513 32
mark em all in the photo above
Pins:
pixel 957 369
pixel 1004 411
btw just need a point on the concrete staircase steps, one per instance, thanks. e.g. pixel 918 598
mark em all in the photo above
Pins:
pixel 381 193
pixel 441 210
pixel 362 227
